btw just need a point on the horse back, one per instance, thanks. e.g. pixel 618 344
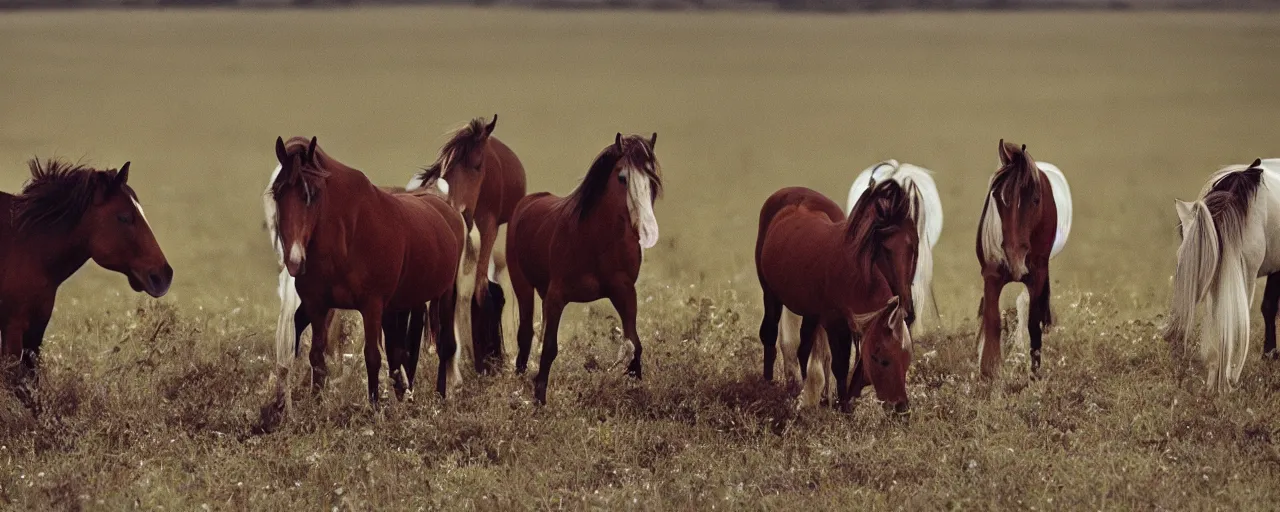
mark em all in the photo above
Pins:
pixel 504 181
pixel 808 198
pixel 803 259
pixel 433 234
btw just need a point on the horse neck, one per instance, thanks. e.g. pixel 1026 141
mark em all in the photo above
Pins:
pixel 57 255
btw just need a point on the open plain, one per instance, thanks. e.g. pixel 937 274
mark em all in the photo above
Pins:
pixel 154 403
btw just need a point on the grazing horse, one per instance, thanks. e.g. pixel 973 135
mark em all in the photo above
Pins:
pixel 926 209
pixel 65 216
pixel 352 245
pixel 1025 222
pixel 484 180
pixel 585 247
pixel 1224 249
pixel 828 269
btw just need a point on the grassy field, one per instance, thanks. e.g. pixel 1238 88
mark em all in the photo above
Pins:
pixel 152 403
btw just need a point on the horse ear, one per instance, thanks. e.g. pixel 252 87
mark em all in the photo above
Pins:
pixel 617 141
pixel 281 155
pixel 1005 157
pixel 1184 210
pixel 122 176
pixel 1257 162
pixel 488 128
pixel 653 141
pixel 896 314
pixel 311 150
pixel 1024 148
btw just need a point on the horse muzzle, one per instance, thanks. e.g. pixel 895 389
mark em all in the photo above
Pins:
pixel 155 282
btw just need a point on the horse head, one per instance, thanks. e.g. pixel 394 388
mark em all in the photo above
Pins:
pixel 885 352
pixel 101 209
pixel 460 169
pixel 1016 190
pixel 298 191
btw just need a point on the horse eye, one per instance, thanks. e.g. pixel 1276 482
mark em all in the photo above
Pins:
pixel 622 178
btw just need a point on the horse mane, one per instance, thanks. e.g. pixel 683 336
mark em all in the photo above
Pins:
pixel 884 204
pixel 1229 198
pixel 464 141
pixel 313 171
pixel 635 152
pixel 59 194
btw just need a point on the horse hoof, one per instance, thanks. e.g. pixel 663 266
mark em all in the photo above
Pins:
pixel 635 370
pixel 540 393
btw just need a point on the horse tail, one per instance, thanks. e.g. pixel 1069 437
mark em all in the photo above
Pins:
pixel 1197 266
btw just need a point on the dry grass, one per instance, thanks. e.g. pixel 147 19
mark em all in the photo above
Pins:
pixel 152 403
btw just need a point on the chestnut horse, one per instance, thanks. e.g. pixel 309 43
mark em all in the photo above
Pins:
pixel 828 269
pixel 1225 247
pixel 1025 222
pixel 65 216
pixel 351 245
pixel 584 247
pixel 293 320
pixel 484 179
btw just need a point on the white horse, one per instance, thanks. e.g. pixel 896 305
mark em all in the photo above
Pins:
pixel 1225 247
pixel 927 209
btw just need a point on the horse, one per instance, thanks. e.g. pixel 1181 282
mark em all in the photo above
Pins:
pixel 926 209
pixel 1224 248
pixel 584 247
pixel 828 269
pixel 351 245
pixel 1021 228
pixel 65 216
pixel 485 180
pixel 293 320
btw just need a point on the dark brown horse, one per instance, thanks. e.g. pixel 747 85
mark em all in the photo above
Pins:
pixel 65 216
pixel 830 270
pixel 484 180
pixel 351 245
pixel 584 247
pixel 1019 231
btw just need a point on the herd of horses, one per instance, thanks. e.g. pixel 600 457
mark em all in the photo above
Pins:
pixel 841 285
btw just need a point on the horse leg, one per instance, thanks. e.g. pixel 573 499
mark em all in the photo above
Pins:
pixel 300 324
pixel 488 227
pixel 808 333
pixel 1270 306
pixel 524 333
pixel 414 344
pixel 624 301
pixel 371 314
pixel 31 340
pixel 815 381
pixel 552 308
pixel 1038 316
pixel 319 340
pixel 840 340
pixel 446 342
pixel 789 338
pixel 11 342
pixel 769 332
pixel 989 345
pixel 395 325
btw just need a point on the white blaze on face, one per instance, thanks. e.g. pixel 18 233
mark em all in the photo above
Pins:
pixel 141 213
pixel 295 253
pixel 640 204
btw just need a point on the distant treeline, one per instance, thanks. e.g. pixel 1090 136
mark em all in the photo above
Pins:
pixel 784 5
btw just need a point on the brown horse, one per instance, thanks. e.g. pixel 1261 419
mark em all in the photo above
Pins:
pixel 351 245
pixel 65 216
pixel 1020 230
pixel 584 247
pixel 829 270
pixel 484 180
